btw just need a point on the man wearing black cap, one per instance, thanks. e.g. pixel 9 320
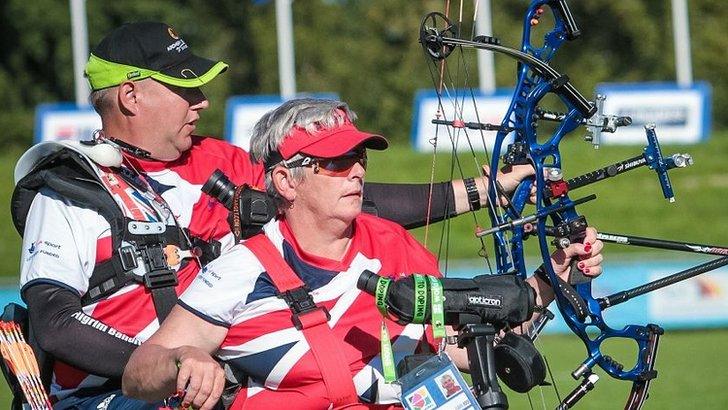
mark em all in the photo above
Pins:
pixel 98 278
pixel 103 262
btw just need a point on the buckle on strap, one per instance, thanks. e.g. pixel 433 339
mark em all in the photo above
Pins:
pixel 160 279
pixel 305 312
pixel 156 272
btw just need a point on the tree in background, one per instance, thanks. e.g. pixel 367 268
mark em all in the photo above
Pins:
pixel 366 51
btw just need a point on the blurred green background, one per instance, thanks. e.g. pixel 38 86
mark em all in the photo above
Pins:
pixel 367 52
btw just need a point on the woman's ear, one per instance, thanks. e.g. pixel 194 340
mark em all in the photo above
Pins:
pixel 284 183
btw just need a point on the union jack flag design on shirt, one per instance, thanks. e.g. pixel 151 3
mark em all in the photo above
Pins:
pixel 80 237
pixel 234 291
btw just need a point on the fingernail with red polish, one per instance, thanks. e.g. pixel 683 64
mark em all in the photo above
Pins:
pixel 586 270
pixel 587 247
pixel 581 265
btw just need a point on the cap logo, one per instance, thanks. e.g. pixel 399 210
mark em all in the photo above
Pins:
pixel 133 74
pixel 178 45
pixel 172 33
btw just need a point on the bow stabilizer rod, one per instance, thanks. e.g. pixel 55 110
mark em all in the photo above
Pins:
pixel 625 295
pixel 623 239
pixel 533 217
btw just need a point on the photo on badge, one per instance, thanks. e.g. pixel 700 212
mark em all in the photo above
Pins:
pixel 448 384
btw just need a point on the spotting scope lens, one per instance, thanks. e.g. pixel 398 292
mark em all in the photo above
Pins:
pixel 367 282
pixel 219 187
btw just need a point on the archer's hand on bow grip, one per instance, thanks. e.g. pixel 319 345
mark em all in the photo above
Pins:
pixel 497 299
pixel 581 261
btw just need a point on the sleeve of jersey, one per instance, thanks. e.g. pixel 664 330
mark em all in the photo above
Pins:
pixel 219 292
pixel 60 242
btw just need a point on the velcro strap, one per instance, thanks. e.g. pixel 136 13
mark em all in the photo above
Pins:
pixel 164 300
pixel 315 317
pixel 335 373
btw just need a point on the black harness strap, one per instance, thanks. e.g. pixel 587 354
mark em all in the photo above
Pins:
pixel 68 173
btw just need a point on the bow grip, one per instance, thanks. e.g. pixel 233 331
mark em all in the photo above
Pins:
pixel 655 161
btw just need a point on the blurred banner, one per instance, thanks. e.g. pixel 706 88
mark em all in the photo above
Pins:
pixel 243 111
pixel 64 121
pixel 699 302
pixel 682 114
pixel 491 109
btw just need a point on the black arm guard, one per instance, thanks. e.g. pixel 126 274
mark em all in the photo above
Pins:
pixel 496 299
pixel 406 204
pixel 65 332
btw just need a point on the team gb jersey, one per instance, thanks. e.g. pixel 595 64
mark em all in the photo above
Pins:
pixel 64 240
pixel 234 291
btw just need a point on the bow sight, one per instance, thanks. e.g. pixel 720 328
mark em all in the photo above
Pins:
pixel 516 142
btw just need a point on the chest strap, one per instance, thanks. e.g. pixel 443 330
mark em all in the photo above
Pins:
pixel 310 319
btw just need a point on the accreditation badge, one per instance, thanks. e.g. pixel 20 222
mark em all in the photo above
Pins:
pixel 436 384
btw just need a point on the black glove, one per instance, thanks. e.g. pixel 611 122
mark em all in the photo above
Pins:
pixel 496 299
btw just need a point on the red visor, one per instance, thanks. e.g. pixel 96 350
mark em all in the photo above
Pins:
pixel 329 143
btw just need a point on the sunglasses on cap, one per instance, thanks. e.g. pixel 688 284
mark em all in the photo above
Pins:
pixel 339 166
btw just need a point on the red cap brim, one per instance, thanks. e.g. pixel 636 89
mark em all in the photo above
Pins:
pixel 329 143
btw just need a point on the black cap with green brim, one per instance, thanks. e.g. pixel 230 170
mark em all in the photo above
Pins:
pixel 136 51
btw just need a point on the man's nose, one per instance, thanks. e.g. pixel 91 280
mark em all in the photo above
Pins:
pixel 201 105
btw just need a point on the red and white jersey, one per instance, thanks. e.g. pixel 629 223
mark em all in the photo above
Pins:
pixel 234 291
pixel 64 240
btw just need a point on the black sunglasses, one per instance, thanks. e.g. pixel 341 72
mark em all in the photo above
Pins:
pixel 333 166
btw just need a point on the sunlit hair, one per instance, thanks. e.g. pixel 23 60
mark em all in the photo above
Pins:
pixel 308 113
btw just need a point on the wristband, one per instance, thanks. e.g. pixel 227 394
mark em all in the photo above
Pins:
pixel 473 195
pixel 380 295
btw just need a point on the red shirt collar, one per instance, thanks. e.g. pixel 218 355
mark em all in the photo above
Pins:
pixel 319 261
pixel 152 165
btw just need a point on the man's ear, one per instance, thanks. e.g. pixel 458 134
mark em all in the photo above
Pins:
pixel 127 95
pixel 284 183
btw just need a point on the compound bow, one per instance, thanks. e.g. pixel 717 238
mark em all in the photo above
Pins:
pixel 516 142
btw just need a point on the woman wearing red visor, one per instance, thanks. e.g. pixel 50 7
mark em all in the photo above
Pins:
pixel 283 308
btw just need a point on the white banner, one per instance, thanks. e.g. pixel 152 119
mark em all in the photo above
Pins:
pixel 681 114
pixel 64 121
pixel 491 110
